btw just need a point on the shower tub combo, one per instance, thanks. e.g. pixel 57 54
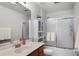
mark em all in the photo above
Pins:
pixel 61 41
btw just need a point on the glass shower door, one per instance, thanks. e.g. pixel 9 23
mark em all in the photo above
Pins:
pixel 65 33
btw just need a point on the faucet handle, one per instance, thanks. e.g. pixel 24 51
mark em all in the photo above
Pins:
pixel 17 45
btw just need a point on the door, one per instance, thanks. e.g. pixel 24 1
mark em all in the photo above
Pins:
pixel 65 33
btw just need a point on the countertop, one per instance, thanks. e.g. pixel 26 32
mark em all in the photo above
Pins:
pixel 24 50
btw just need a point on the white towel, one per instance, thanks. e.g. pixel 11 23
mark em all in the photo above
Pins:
pixel 48 36
pixel 53 36
pixel 5 33
pixel 77 39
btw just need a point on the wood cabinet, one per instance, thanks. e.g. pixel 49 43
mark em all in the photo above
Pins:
pixel 37 52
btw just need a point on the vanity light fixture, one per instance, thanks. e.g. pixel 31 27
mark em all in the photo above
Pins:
pixel 13 2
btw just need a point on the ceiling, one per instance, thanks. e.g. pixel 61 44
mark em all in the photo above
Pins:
pixel 54 7
pixel 17 7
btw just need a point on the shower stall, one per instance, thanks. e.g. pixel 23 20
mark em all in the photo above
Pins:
pixel 65 33
pixel 63 30
pixel 62 41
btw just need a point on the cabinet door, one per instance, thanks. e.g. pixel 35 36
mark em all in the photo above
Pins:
pixel 35 53
pixel 41 51
pixel 40 54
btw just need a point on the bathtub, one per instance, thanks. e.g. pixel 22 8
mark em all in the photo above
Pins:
pixel 53 51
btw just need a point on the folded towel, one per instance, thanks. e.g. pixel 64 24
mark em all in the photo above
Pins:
pixel 48 36
pixel 51 36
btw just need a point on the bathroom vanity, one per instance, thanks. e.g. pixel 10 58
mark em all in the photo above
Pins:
pixel 30 49
pixel 37 52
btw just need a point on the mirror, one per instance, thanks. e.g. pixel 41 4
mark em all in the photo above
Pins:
pixel 16 17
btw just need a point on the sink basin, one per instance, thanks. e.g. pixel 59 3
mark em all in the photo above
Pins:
pixel 22 48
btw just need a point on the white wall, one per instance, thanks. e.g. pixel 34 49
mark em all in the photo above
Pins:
pixel 59 14
pixel 76 23
pixel 12 19
pixel 35 10
pixel 43 14
pixel 76 15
